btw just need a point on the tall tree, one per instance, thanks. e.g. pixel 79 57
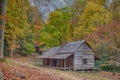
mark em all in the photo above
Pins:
pixel 93 15
pixel 115 10
pixel 55 29
pixel 18 31
pixel 2 25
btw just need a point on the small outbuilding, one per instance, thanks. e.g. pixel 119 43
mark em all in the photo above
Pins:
pixel 73 55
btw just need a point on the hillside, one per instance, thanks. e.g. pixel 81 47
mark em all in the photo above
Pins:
pixel 14 70
pixel 30 29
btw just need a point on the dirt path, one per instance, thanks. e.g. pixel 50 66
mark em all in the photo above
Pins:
pixel 69 74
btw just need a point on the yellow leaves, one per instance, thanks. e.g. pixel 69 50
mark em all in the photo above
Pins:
pixel 102 2
pixel 55 18
pixel 11 39
pixel 81 32
pixel 19 33
pixel 93 16
pixel 77 31
pixel 93 12
pixel 56 14
pixel 17 27
pixel 69 34
pixel 93 7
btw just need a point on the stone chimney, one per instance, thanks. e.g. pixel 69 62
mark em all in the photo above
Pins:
pixel 63 43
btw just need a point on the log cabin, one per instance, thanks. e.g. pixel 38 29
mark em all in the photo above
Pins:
pixel 73 55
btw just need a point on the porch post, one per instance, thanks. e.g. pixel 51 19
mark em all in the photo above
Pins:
pixel 57 62
pixel 65 64
pixel 35 61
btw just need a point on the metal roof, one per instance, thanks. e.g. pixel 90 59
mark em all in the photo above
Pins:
pixel 70 47
pixel 50 52
pixel 60 56
pixel 62 52
pixel 56 56
pixel 53 50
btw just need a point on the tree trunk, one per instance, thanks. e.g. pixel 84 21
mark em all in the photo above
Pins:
pixel 2 25
pixel 113 66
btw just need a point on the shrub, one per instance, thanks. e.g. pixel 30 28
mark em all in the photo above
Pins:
pixel 108 67
pixel 118 69
pixel 28 48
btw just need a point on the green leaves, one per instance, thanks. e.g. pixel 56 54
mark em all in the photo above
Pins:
pixel 93 15
pixel 54 31
pixel 50 36
pixel 18 30
pixel 28 48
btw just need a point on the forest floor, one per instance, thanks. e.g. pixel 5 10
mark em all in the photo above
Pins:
pixel 23 68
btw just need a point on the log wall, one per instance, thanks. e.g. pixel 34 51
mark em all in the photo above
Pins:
pixel 84 52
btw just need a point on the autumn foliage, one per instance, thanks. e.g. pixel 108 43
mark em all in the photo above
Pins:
pixel 17 72
pixel 106 34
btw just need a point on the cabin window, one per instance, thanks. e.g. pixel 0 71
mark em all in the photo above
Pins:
pixel 84 61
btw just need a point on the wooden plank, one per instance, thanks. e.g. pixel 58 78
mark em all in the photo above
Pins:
pixel 65 64
pixel 78 64
pixel 57 62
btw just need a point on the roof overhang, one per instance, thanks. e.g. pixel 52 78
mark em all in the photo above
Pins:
pixel 56 56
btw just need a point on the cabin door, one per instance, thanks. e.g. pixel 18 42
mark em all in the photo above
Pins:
pixel 55 62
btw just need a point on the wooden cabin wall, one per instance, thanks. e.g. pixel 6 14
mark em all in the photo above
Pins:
pixel 60 62
pixel 70 61
pixel 84 47
pixel 84 52
pixel 46 62
pixel 54 62
pixel 78 62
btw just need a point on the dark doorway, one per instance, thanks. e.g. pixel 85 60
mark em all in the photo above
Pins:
pixel 63 63
pixel 47 62
pixel 55 62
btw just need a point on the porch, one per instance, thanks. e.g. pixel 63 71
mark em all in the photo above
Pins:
pixel 58 62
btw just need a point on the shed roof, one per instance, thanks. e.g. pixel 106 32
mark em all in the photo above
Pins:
pixel 62 52
pixel 71 47
pixel 60 56
pixel 50 52
pixel 53 50
pixel 55 56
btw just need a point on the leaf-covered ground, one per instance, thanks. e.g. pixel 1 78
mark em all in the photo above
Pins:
pixel 22 69
pixel 66 75
pixel 13 71
pixel 70 74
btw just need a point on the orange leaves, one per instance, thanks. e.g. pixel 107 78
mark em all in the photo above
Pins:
pixel 107 36
pixel 18 72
